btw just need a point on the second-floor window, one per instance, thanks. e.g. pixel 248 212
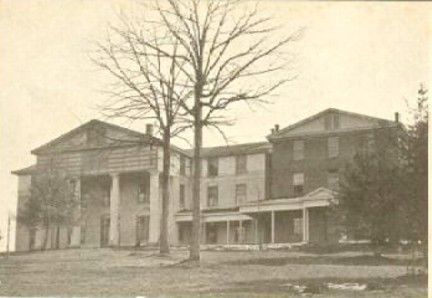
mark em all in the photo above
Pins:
pixel 333 147
pixel 143 193
pixel 212 167
pixel 241 164
pixel 298 150
pixel 182 202
pixel 298 183
pixel 240 194
pixel 212 196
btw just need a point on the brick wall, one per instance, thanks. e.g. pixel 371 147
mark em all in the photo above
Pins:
pixel 316 164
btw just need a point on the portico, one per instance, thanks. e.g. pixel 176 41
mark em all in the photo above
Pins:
pixel 287 220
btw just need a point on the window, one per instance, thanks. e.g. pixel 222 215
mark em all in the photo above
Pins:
pixel 298 182
pixel 333 147
pixel 241 164
pixel 240 194
pixel 298 226
pixel 332 122
pixel 212 167
pixel 182 165
pixel 333 180
pixel 73 188
pixel 143 193
pixel 212 196
pixel 298 150
pixel 182 197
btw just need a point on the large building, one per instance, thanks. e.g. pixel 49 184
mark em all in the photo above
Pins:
pixel 277 191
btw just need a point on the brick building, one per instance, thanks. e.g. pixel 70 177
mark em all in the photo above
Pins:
pixel 269 192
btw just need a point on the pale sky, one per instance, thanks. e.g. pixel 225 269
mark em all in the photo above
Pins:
pixel 363 57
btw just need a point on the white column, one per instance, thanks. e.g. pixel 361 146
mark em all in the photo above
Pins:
pixel 305 225
pixel 272 227
pixel 114 234
pixel 155 208
pixel 227 231
pixel 76 229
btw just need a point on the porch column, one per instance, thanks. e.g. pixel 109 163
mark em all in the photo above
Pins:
pixel 155 211
pixel 114 210
pixel 272 227
pixel 228 232
pixel 305 225
pixel 75 240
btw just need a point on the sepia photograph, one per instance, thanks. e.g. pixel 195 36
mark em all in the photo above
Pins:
pixel 214 148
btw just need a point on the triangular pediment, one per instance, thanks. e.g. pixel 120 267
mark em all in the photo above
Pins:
pixel 329 121
pixel 320 193
pixel 94 134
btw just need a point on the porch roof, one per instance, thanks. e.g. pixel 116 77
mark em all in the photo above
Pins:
pixel 321 197
pixel 213 217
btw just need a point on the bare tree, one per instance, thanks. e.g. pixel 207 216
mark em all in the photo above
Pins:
pixel 227 51
pixel 146 87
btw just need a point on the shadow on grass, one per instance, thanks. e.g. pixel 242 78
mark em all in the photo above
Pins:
pixel 321 260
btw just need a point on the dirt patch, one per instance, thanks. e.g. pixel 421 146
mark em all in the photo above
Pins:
pixel 325 285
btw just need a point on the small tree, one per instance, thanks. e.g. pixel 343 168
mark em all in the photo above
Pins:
pixel 369 196
pixel 415 153
pixel 51 203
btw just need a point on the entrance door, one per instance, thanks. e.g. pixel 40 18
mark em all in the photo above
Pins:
pixel 104 231
pixel 142 229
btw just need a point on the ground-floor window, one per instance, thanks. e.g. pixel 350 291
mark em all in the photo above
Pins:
pixel 211 230
pixel 298 226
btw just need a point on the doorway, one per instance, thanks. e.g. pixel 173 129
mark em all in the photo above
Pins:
pixel 142 230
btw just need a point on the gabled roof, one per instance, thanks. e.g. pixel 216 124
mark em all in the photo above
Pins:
pixel 372 122
pixel 247 148
pixel 125 137
pixel 128 136
pixel 25 171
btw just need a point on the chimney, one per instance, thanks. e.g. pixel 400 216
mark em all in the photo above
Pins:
pixel 149 129
pixel 396 117
pixel 276 127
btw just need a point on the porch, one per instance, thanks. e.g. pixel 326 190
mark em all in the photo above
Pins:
pixel 292 220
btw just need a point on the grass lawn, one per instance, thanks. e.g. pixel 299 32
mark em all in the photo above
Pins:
pixel 106 272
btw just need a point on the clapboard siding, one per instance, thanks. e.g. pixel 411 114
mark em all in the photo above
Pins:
pixel 111 160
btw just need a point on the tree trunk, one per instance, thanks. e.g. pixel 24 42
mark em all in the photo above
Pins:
pixel 164 244
pixel 45 241
pixel 194 248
